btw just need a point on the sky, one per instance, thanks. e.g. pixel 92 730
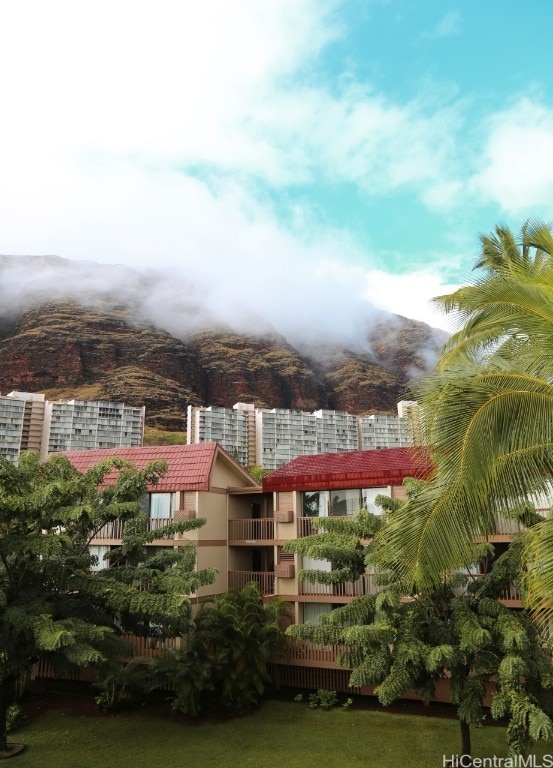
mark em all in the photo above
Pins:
pixel 288 162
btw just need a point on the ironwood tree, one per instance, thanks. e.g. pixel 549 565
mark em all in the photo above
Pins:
pixel 408 637
pixel 55 602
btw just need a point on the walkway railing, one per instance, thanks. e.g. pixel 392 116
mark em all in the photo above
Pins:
pixel 303 651
pixel 265 580
pixel 249 531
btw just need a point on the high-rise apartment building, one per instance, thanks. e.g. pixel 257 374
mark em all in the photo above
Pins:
pixel 283 434
pixel 12 414
pixel 77 425
pixel 233 428
pixel 29 422
pixel 270 437
pixel 384 431
pixel 410 409
pixel 337 431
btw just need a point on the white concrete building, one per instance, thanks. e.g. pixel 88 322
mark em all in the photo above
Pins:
pixel 282 435
pixel 337 431
pixel 233 428
pixel 29 422
pixel 384 431
pixel 12 413
pixel 77 425
pixel 270 437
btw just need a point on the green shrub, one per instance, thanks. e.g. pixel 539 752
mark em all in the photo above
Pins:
pixel 14 717
pixel 324 699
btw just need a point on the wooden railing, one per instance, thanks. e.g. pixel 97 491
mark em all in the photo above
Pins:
pixel 141 646
pixel 145 646
pixel 306 525
pixel 265 580
pixel 364 586
pixel 511 593
pixel 303 651
pixel 116 529
pixel 261 529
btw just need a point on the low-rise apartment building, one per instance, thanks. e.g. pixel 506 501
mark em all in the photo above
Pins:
pixel 247 526
pixel 201 481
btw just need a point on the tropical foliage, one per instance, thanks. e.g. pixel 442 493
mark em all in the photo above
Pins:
pixel 53 603
pixel 455 629
pixel 222 664
pixel 488 414
pixel 258 473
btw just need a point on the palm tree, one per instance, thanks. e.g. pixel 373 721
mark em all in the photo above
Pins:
pixel 489 413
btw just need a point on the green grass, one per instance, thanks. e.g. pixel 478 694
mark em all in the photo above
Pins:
pixel 281 734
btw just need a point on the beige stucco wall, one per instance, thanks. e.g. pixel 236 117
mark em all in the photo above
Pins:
pixel 213 557
pixel 224 475
pixel 239 559
pixel 213 507
pixel 240 507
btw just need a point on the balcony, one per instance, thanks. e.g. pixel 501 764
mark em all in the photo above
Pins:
pixel 510 597
pixel 265 580
pixel 245 531
pixel 506 527
pixel 306 527
pixel 115 529
pixel 363 586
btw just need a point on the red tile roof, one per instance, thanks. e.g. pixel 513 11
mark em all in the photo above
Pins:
pixel 354 469
pixel 188 466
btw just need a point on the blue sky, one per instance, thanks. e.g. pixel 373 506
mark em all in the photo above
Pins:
pixel 344 154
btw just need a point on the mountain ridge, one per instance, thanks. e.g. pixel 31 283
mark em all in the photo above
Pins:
pixel 97 345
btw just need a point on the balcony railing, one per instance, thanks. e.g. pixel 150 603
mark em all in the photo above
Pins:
pixel 505 525
pixel 115 529
pixel 265 580
pixel 511 593
pixel 363 586
pixel 306 527
pixel 303 651
pixel 261 529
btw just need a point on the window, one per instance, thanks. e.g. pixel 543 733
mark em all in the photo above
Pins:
pixel 315 504
pixel 369 495
pixel 160 505
pixel 345 502
pixel 313 611
pixel 99 551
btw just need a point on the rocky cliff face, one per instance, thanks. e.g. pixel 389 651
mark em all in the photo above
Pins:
pixel 67 350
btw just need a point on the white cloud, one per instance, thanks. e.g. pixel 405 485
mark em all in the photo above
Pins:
pixel 143 134
pixel 518 159
pixel 411 294
pixel 361 137
pixel 212 85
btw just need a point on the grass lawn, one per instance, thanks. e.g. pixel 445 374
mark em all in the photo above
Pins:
pixel 281 734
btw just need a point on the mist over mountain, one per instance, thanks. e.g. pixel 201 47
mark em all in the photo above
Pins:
pixel 88 330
